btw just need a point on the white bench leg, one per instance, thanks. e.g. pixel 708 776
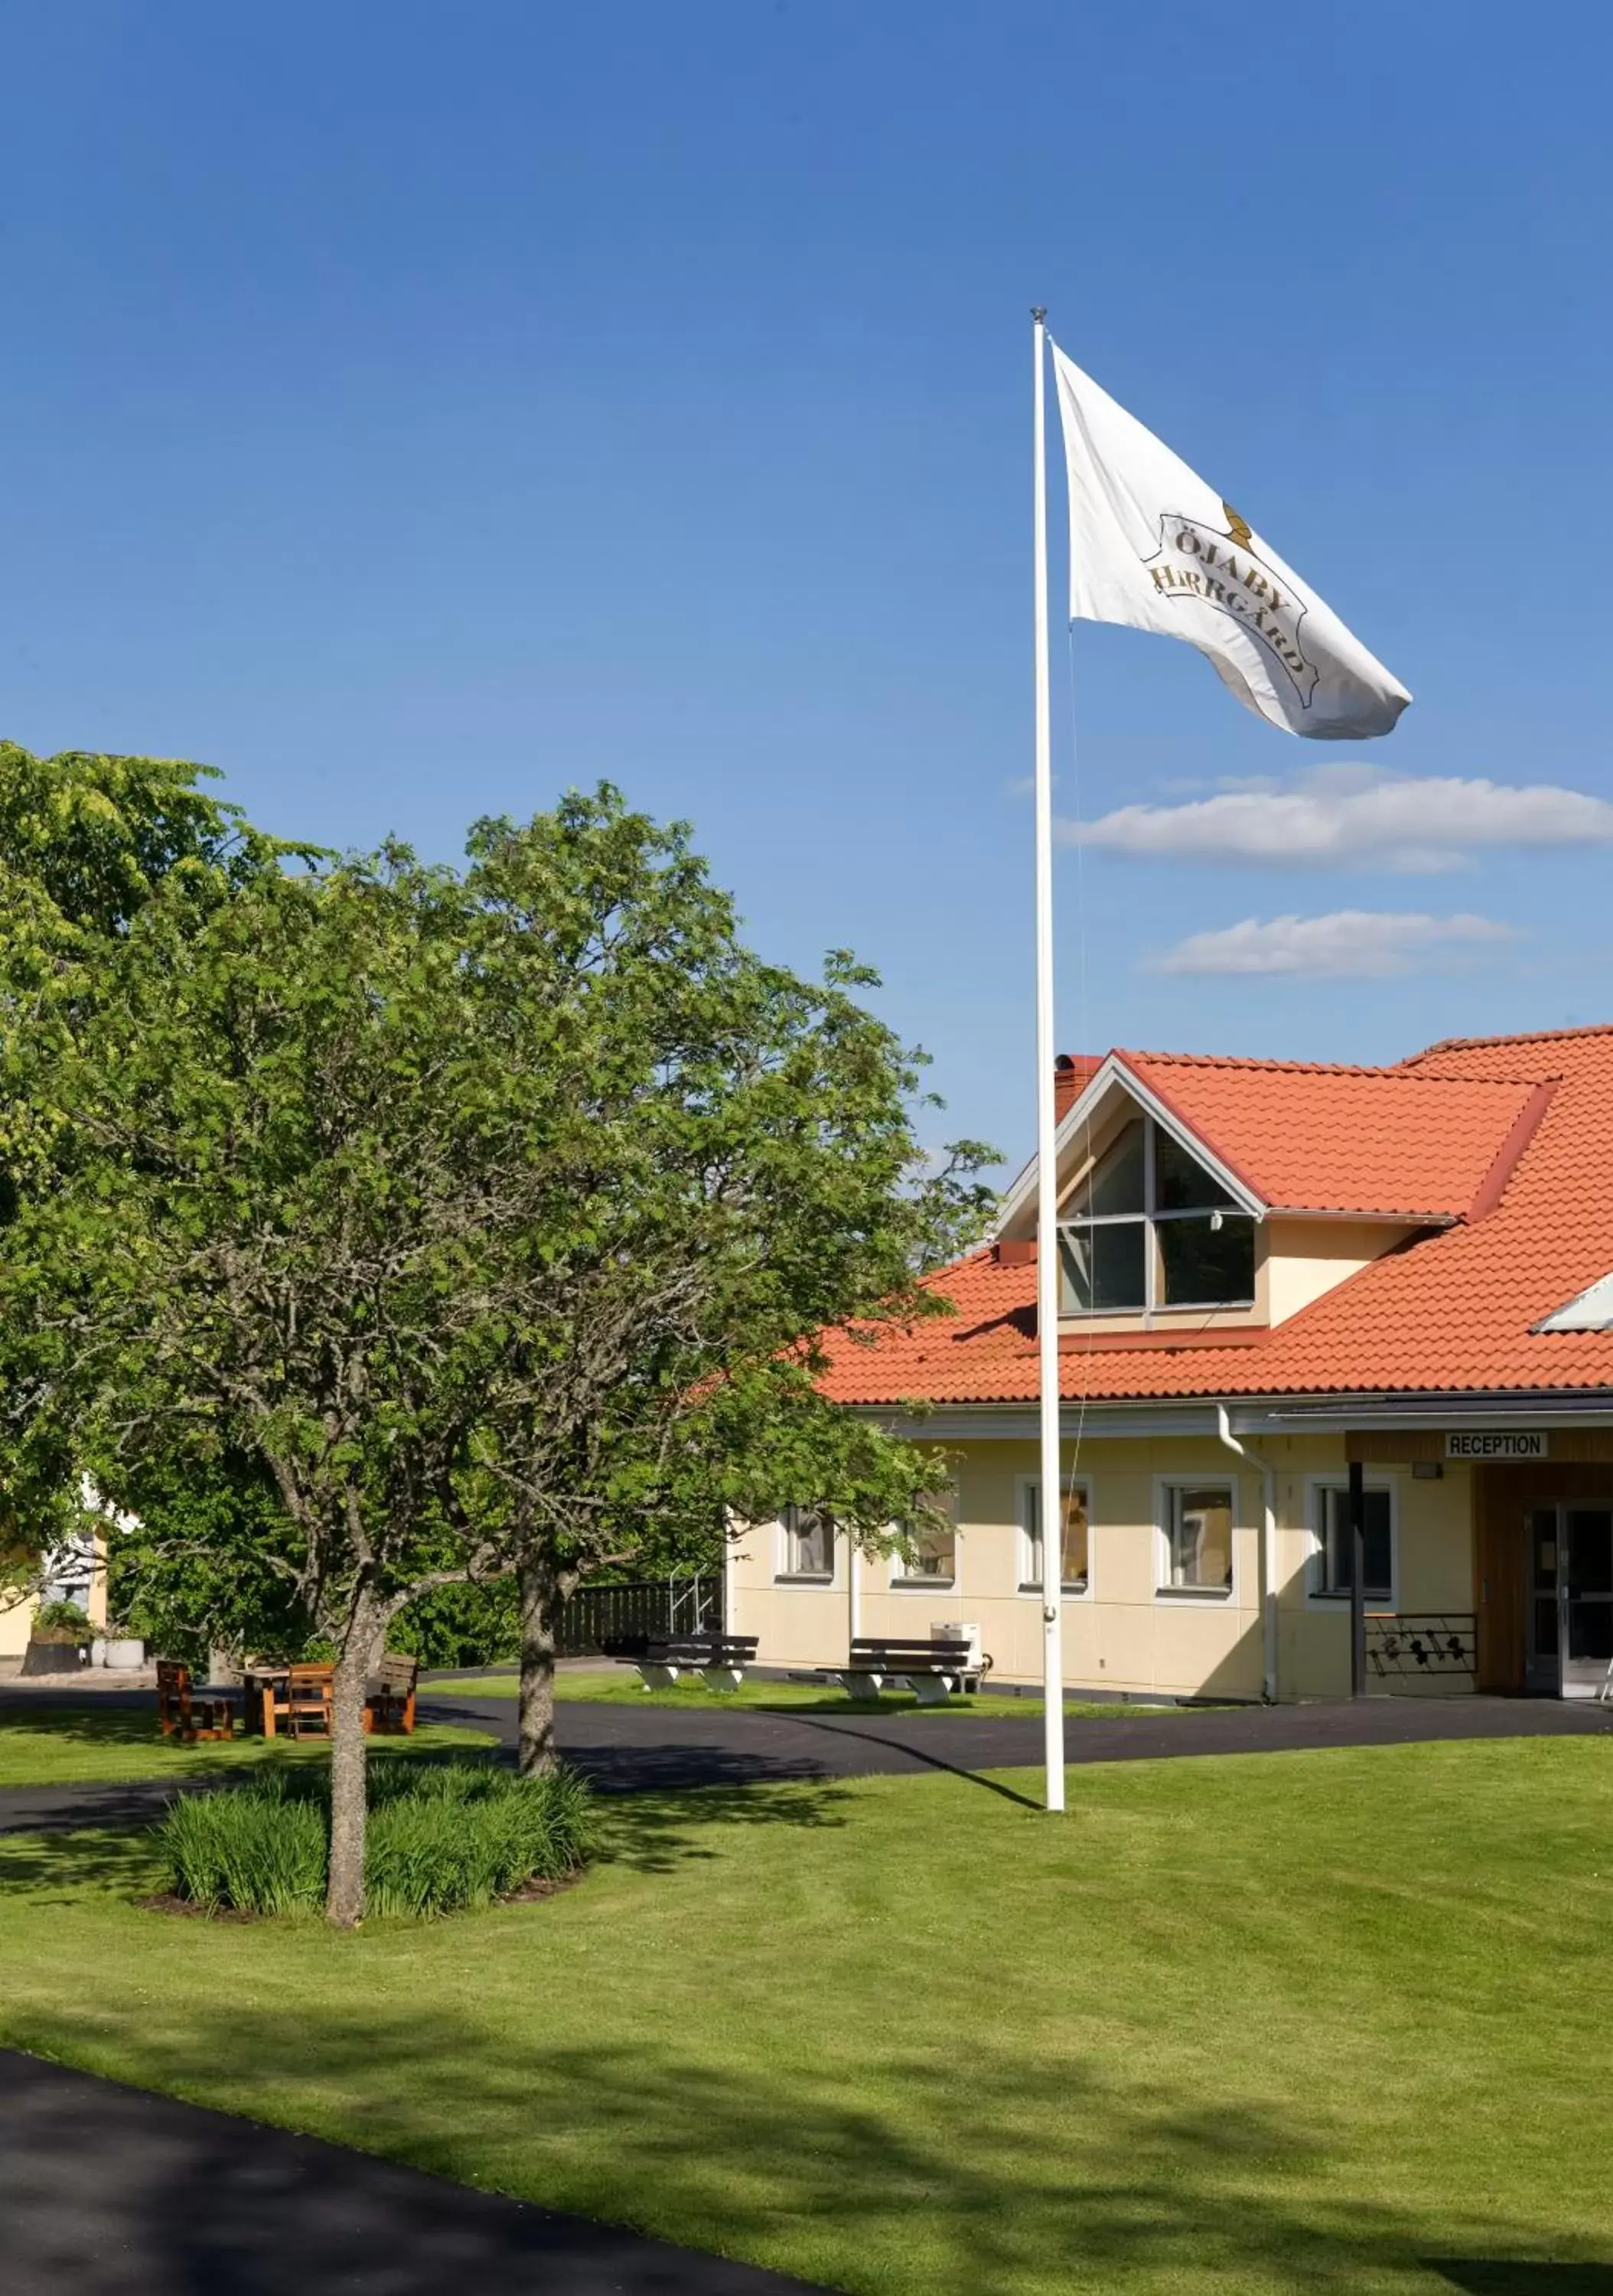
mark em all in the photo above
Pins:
pixel 659 1678
pixel 931 1689
pixel 863 1686
pixel 722 1677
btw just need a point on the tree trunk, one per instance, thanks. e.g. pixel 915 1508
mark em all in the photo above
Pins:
pixel 541 1602
pixel 345 1887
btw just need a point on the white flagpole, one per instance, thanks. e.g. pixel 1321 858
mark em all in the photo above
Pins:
pixel 1047 1181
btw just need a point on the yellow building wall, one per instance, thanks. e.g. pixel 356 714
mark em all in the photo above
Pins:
pixel 798 1625
pixel 16 1618
pixel 1307 1257
pixel 1433 1566
pixel 1124 1636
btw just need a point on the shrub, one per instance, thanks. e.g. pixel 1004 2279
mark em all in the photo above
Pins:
pixel 460 1625
pixel 62 1617
pixel 442 1837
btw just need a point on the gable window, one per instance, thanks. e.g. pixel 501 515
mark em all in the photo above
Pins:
pixel 1148 1227
pixel 1198 1527
pixel 1075 1570
pixel 808 1535
pixel 1335 1570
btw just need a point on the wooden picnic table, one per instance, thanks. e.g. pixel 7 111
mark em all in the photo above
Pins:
pixel 301 1696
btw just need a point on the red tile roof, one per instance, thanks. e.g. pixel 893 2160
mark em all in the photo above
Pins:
pixel 1450 1311
pixel 1381 1141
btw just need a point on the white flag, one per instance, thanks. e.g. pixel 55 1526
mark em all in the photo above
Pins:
pixel 1152 546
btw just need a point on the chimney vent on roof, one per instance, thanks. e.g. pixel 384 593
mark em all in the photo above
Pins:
pixel 1072 1071
pixel 1021 1253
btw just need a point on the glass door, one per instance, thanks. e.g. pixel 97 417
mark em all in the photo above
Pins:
pixel 1543 1678
pixel 1586 1599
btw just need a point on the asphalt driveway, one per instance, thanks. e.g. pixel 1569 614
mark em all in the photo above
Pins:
pixel 106 2191
pixel 633 1749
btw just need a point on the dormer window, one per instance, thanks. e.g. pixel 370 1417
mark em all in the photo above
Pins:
pixel 1148 1227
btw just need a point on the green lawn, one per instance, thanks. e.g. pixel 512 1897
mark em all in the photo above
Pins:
pixel 106 1745
pixel 620 1686
pixel 1298 2022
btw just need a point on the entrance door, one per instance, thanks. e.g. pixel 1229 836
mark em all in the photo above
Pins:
pixel 1570 1600
pixel 1544 1675
pixel 1585 1587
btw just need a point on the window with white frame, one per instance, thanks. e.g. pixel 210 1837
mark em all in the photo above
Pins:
pixel 1148 1227
pixel 1334 1565
pixel 807 1535
pixel 931 1559
pixel 1198 1539
pixel 1075 1570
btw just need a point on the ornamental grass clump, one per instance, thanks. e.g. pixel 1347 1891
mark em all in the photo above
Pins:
pixel 258 1851
pixel 442 1838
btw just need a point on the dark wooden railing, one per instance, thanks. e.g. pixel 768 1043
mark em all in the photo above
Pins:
pixel 641 1606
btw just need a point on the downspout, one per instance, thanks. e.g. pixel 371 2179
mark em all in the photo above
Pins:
pixel 1268 1552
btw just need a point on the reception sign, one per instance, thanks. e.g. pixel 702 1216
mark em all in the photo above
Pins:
pixel 1496 1443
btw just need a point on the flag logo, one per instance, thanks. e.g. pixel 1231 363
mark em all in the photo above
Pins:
pixel 1196 562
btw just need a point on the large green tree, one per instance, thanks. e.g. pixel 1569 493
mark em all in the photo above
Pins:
pixel 492 1212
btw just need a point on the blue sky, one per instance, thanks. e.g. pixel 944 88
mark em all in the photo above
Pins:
pixel 415 410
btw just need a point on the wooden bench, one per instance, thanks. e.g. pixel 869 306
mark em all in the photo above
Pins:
pixel 932 1668
pixel 296 1704
pixel 719 1660
pixel 389 1699
pixel 186 1714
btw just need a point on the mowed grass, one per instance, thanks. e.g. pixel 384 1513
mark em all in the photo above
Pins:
pixel 1328 2020
pixel 621 1687
pixel 87 1745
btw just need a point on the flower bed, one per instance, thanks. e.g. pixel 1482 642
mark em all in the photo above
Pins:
pixel 441 1838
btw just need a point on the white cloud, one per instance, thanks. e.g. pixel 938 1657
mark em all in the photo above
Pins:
pixel 1348 945
pixel 1351 816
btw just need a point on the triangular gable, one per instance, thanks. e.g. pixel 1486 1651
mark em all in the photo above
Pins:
pixel 1092 1110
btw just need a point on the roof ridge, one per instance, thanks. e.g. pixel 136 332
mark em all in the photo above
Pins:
pixel 1393 1072
pixel 1516 1037
pixel 1254 1060
pixel 1456 1075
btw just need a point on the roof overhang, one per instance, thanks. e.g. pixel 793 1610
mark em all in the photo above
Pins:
pixel 1113 1076
pixel 1251 1415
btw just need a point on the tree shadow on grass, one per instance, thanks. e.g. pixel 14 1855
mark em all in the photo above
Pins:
pixel 59 1866
pixel 944 2175
pixel 128 1720
pixel 100 1719
pixel 652 1833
